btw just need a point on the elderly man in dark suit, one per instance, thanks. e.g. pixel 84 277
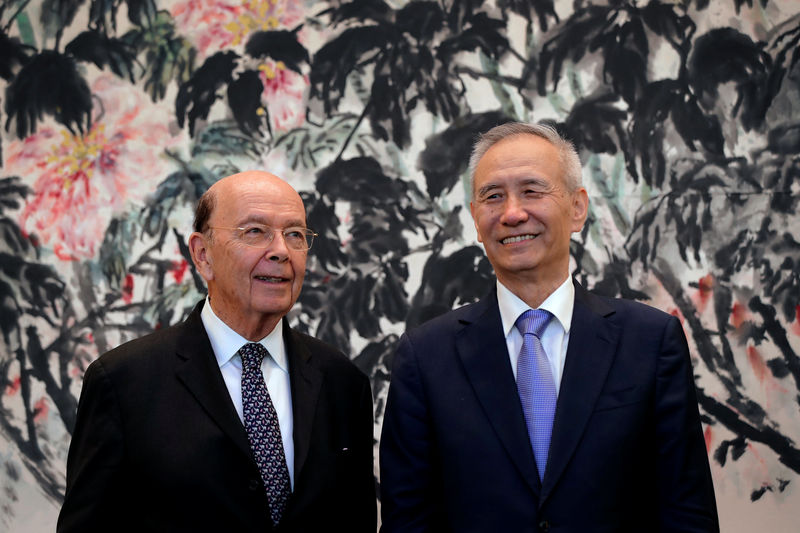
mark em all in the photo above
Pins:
pixel 542 407
pixel 231 420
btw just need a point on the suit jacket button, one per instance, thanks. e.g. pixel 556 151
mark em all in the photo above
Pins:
pixel 254 484
pixel 544 525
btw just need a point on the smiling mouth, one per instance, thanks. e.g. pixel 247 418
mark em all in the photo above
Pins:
pixel 518 238
pixel 271 279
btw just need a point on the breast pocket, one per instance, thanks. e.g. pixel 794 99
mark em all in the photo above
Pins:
pixel 619 398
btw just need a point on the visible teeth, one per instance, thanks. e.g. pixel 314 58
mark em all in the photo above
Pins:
pixel 266 278
pixel 519 238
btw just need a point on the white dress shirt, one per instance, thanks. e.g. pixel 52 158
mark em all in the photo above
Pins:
pixel 226 344
pixel 556 336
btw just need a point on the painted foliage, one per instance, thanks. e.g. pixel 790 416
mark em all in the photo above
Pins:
pixel 117 115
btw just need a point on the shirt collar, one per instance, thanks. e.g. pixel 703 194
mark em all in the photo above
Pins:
pixel 226 342
pixel 560 303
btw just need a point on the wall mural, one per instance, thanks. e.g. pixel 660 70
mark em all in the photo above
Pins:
pixel 117 115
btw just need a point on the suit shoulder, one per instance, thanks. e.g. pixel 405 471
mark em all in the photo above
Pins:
pixel 139 352
pixel 632 311
pixel 447 322
pixel 327 356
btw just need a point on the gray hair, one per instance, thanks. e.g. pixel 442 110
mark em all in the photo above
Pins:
pixel 568 156
pixel 202 213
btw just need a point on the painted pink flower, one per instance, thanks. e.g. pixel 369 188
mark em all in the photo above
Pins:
pixel 82 180
pixel 40 409
pixel 13 387
pixel 284 94
pixel 203 22
pixel 213 25
pixel 216 24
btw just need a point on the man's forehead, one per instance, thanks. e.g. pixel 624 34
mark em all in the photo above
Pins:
pixel 284 218
pixel 510 160
pixel 249 197
pixel 519 174
pixel 514 168
pixel 518 180
pixel 250 181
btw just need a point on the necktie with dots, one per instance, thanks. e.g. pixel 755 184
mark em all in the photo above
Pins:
pixel 263 430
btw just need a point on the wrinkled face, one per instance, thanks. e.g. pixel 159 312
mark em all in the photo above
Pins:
pixel 251 287
pixel 523 212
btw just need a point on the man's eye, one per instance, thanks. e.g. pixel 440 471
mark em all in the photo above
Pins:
pixel 294 234
pixel 254 230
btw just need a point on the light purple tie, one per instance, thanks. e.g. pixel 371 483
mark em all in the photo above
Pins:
pixel 263 430
pixel 535 384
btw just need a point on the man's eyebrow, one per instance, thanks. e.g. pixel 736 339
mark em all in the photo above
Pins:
pixel 253 219
pixel 539 182
pixel 296 223
pixel 258 219
pixel 488 187
pixel 533 180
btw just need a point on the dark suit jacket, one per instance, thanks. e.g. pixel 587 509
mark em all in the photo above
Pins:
pixel 627 451
pixel 158 445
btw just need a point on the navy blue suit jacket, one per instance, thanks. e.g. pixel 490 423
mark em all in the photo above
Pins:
pixel 627 451
pixel 158 445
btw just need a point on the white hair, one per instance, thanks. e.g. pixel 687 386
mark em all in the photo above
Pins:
pixel 568 156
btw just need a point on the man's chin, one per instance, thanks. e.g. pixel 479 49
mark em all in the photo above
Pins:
pixel 515 267
pixel 278 302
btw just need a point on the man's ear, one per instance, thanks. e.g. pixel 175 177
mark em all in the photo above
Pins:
pixel 198 247
pixel 580 209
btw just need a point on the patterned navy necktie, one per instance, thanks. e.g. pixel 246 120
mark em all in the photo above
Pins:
pixel 263 430
pixel 535 384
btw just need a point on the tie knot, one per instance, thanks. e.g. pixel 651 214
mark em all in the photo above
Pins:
pixel 252 354
pixel 533 321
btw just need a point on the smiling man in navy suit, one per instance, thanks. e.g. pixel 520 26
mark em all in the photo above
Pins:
pixel 231 420
pixel 542 407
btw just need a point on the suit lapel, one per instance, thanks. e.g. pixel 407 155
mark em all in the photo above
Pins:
pixel 306 382
pixel 482 349
pixel 592 344
pixel 198 371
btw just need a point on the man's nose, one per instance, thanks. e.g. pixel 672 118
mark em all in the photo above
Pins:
pixel 513 212
pixel 277 249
